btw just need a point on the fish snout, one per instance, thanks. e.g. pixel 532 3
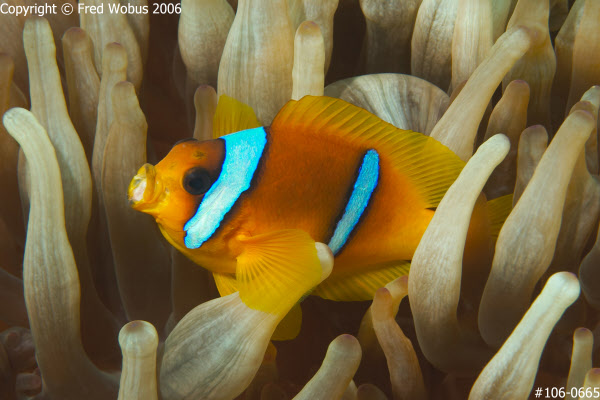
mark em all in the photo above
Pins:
pixel 141 188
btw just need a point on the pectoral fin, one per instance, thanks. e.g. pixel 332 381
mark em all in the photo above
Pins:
pixel 226 283
pixel 276 269
pixel 290 325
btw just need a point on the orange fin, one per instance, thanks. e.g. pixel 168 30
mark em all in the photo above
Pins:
pixel 226 283
pixel 276 269
pixel 429 165
pixel 498 210
pixel 232 116
pixel 362 285
pixel 290 325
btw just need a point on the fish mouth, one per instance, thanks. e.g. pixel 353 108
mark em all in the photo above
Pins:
pixel 143 193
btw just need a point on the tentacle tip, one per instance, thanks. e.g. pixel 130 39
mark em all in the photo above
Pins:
pixel 582 333
pixel 308 27
pixel 536 33
pixel 347 343
pixel 593 377
pixel 123 84
pixel 13 114
pixel 567 283
pixel 499 142
pixel 145 336
pixel 382 303
pixel 74 30
pixel 326 258
pixel 382 293
pixel 35 19
pixel 519 82
pixel 584 114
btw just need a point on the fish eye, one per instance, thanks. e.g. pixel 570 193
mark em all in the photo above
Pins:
pixel 196 181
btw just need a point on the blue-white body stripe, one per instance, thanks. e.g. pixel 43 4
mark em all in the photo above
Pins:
pixel 243 151
pixel 365 184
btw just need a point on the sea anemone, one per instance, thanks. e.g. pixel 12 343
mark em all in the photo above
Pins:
pixel 512 87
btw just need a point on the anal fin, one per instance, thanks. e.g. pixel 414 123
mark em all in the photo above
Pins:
pixel 361 285
pixel 290 325
pixel 276 269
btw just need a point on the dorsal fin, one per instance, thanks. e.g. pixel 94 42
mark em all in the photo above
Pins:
pixel 232 116
pixel 428 164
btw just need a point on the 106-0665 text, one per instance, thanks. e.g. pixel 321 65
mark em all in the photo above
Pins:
pixel 561 392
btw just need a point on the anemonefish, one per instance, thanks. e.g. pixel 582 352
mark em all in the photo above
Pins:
pixel 250 205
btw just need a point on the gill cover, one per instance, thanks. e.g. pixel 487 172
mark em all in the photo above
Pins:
pixel 243 151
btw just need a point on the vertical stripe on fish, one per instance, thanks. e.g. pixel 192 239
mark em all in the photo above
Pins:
pixel 243 151
pixel 365 184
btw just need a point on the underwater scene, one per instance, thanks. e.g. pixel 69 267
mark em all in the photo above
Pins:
pixel 299 199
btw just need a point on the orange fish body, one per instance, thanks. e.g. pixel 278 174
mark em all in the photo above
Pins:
pixel 324 167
